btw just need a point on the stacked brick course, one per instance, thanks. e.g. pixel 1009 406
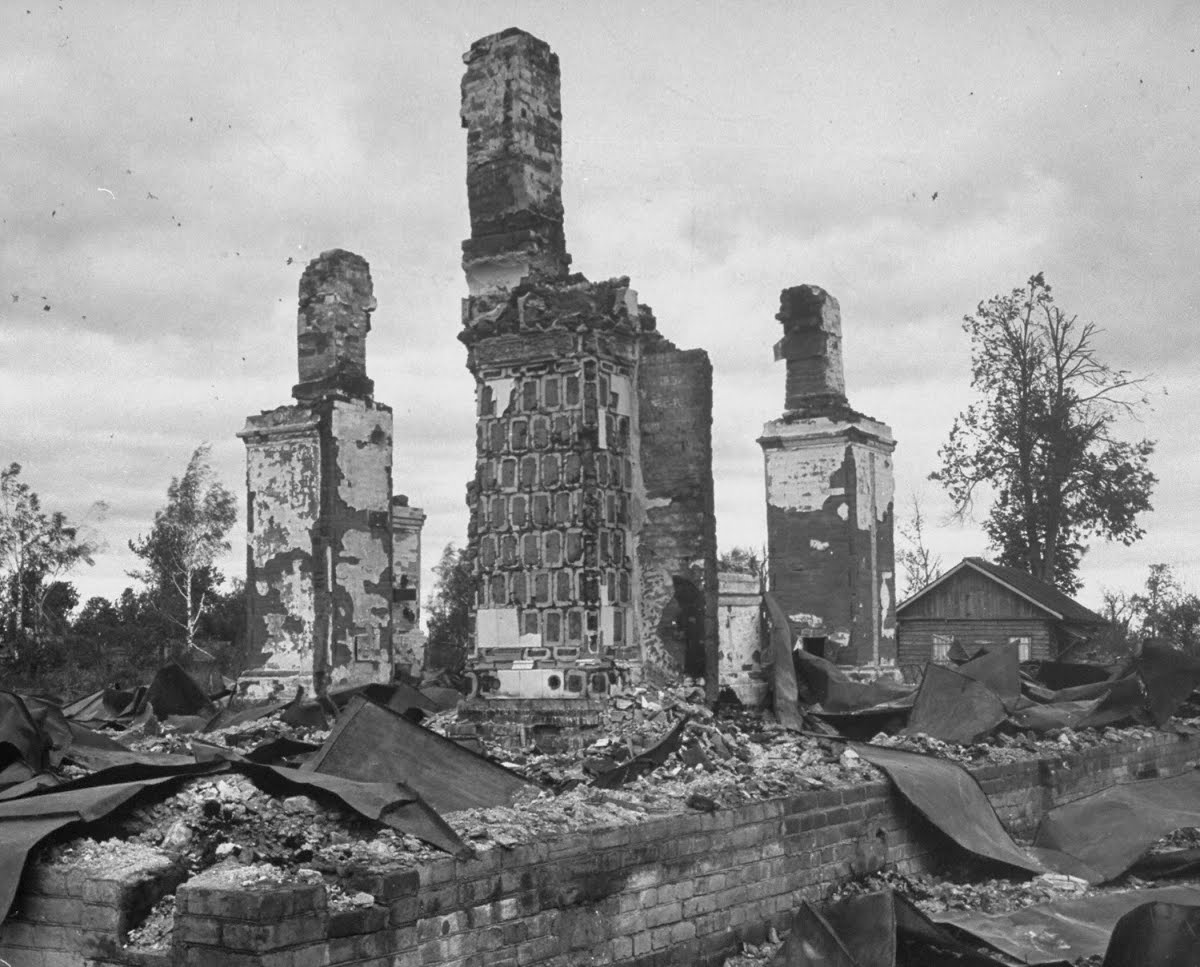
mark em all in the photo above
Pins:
pixel 676 890
pixel 592 529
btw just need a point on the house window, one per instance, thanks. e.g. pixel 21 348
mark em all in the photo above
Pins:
pixel 1024 647
pixel 941 647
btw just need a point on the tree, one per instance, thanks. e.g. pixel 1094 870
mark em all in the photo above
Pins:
pixel 450 610
pixel 740 560
pixel 188 535
pixel 1041 438
pixel 1168 613
pixel 38 549
pixel 918 565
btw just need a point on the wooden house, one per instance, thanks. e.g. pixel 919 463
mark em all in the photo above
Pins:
pixel 980 603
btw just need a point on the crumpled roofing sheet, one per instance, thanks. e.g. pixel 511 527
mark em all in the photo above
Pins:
pixel 1109 830
pixel 950 798
pixel 1065 930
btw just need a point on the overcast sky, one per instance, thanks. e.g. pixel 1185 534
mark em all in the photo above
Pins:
pixel 167 170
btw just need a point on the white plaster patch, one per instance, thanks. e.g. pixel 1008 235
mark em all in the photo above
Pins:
pixel 843 511
pixel 364 460
pixel 623 387
pixel 799 480
pixel 291 651
pixel 817 545
pixel 371 609
pixel 607 623
pixel 496 628
pixel 876 485
pixel 813 620
pixel 284 477
pixel 504 389
pixel 655 503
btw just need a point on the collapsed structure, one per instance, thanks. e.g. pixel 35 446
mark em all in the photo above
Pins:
pixel 320 515
pixel 591 533
pixel 830 548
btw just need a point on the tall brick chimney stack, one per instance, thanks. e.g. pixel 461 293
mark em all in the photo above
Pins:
pixel 513 116
pixel 812 347
pixel 336 302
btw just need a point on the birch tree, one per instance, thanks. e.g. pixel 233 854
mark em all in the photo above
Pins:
pixel 183 545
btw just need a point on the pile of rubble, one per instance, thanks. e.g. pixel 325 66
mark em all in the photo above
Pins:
pixel 267 794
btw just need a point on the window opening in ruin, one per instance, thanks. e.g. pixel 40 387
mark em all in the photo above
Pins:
pixel 814 645
pixel 681 626
pixel 941 647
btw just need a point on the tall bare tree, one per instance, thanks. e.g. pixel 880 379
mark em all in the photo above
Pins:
pixel 918 564
pixel 1042 440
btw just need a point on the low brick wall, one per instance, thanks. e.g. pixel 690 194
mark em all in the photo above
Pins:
pixel 677 890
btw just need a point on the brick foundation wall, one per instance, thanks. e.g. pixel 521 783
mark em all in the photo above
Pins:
pixel 675 890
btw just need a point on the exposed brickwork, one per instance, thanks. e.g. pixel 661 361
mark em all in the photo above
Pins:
pixel 831 553
pixel 677 537
pixel 71 917
pixel 591 508
pixel 513 117
pixel 551 526
pixel 677 890
pixel 336 302
pixel 811 346
pixel 319 482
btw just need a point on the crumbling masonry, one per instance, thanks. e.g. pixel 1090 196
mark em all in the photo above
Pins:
pixel 591 528
pixel 829 495
pixel 319 488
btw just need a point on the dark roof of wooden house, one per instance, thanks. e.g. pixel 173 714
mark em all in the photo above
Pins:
pixel 1045 596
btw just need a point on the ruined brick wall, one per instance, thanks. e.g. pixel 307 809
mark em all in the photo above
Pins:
pixel 513 117
pixel 550 504
pixel 283 484
pixel 584 523
pixel 829 483
pixel 682 890
pixel 319 486
pixel 676 529
pixel 740 635
pixel 334 317
pixel 408 641
pixel 811 347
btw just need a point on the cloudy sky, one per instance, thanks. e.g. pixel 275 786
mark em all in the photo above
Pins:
pixel 166 171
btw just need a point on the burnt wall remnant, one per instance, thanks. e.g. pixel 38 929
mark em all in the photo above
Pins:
pixel 829 495
pixel 592 503
pixel 319 487
pixel 408 641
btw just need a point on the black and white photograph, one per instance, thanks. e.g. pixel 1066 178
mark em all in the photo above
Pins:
pixel 544 484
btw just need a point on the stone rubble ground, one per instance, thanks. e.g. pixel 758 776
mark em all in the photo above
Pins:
pixel 725 759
